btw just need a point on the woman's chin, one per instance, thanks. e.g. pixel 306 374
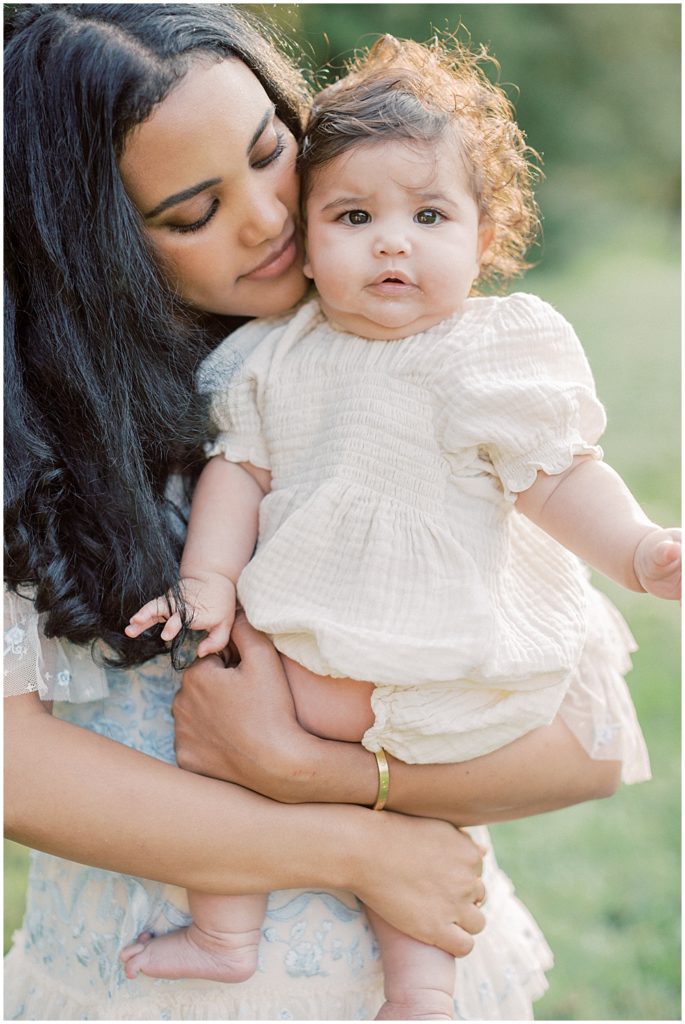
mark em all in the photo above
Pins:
pixel 266 298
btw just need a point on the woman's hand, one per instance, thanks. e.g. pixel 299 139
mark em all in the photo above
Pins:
pixel 238 723
pixel 422 876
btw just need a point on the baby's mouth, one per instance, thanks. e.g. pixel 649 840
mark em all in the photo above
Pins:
pixel 392 283
pixel 392 277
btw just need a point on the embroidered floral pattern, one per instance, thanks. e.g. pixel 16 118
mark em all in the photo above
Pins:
pixel 15 641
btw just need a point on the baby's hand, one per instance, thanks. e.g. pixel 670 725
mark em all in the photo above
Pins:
pixel 657 563
pixel 211 600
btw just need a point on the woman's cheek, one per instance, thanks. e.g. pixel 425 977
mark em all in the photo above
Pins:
pixel 196 274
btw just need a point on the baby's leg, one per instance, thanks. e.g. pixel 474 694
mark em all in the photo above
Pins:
pixel 220 944
pixel 335 709
pixel 419 979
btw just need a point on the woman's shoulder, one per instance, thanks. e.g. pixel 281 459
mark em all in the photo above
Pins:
pixel 227 359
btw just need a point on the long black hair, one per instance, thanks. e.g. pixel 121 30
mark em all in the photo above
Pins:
pixel 100 356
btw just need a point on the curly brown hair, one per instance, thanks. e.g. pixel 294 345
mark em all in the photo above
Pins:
pixel 404 90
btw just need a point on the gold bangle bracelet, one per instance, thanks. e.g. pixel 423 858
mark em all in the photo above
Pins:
pixel 383 779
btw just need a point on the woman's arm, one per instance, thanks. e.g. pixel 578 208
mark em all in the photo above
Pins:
pixel 81 796
pixel 239 724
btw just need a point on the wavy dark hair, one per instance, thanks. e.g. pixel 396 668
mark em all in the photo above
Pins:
pixel 100 356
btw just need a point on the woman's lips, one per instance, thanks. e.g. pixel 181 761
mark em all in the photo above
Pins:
pixel 275 264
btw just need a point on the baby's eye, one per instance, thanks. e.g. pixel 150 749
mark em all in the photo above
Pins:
pixel 356 217
pixel 429 216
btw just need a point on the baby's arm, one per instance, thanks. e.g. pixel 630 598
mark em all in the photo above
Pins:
pixel 589 509
pixel 222 532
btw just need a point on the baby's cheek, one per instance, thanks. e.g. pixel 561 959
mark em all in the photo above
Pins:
pixel 337 283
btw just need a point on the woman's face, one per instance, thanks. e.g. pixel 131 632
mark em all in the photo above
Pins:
pixel 212 172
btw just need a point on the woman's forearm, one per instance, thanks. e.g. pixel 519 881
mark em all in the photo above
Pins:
pixel 543 771
pixel 239 724
pixel 81 796
pixel 78 795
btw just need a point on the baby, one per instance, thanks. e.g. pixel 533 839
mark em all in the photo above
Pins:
pixel 418 468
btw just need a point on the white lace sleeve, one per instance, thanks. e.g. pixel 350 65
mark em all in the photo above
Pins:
pixel 57 669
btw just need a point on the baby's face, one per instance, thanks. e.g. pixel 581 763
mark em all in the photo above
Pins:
pixel 394 237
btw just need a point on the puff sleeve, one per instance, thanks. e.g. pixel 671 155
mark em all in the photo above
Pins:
pixel 522 394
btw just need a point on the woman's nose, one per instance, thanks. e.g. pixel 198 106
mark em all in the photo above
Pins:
pixel 263 219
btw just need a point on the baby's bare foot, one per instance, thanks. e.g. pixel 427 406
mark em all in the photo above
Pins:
pixel 425 1004
pixel 193 953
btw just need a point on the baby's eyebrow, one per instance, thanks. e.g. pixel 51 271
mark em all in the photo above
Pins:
pixel 428 197
pixel 345 201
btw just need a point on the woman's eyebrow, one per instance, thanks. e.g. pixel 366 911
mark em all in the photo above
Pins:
pixel 180 197
pixel 260 128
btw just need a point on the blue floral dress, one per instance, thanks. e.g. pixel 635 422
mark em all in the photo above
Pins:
pixel 318 958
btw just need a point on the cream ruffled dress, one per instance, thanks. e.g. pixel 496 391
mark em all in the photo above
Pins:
pixel 390 548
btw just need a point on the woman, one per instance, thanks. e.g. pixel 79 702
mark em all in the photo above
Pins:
pixel 151 197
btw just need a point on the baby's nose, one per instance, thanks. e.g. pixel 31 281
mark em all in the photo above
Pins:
pixel 392 245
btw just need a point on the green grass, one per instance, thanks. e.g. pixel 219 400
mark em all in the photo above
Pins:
pixel 16 866
pixel 602 879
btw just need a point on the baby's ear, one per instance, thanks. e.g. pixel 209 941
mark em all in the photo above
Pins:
pixel 486 235
pixel 307 268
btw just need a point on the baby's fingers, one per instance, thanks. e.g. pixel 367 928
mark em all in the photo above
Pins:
pixel 172 628
pixel 151 613
pixel 664 573
pixel 667 553
pixel 216 640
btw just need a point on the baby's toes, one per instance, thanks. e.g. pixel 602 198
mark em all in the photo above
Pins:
pixel 129 951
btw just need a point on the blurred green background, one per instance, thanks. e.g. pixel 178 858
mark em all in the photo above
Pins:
pixel 597 90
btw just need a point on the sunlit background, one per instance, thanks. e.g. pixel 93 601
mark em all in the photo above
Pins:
pixel 597 90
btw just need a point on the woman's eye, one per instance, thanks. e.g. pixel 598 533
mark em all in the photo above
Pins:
pixel 273 155
pixel 356 217
pixel 428 217
pixel 183 229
